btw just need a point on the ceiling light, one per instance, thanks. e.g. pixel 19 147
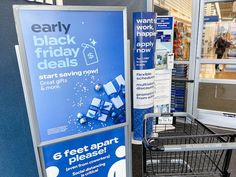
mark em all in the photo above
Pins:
pixel 227 18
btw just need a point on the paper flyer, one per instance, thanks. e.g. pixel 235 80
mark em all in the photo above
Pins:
pixel 164 41
pixel 163 67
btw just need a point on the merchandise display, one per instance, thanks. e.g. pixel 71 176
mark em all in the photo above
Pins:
pixel 179 88
pixel 182 37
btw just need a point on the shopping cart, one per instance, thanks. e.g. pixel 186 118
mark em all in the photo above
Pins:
pixel 180 145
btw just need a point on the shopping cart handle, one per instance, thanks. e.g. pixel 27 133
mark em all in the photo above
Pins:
pixel 199 147
pixel 149 115
pixel 152 147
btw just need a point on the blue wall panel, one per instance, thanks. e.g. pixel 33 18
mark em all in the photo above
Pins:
pixel 16 148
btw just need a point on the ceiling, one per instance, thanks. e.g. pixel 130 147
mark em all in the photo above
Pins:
pixel 222 9
pixel 226 9
pixel 180 9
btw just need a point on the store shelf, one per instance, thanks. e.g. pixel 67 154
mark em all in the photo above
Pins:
pixel 179 88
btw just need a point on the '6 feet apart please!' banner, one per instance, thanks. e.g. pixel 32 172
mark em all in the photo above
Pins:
pixel 99 155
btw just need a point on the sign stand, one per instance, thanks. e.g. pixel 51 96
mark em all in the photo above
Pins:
pixel 33 133
pixel 144 38
pixel 152 67
pixel 78 99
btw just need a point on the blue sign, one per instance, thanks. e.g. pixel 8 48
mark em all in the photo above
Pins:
pixel 164 23
pixel 144 39
pixel 99 155
pixel 76 68
pixel 211 18
pixel 144 42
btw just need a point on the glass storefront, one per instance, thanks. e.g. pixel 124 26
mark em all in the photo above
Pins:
pixel 219 22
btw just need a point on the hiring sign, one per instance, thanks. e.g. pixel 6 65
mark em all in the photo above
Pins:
pixel 144 42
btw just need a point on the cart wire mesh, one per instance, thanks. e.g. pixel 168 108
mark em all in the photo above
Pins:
pixel 186 148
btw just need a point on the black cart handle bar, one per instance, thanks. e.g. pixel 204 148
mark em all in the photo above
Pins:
pixel 198 147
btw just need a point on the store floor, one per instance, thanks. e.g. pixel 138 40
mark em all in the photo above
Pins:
pixel 208 72
pixel 137 158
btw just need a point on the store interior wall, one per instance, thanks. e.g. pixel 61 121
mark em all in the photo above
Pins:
pixel 16 148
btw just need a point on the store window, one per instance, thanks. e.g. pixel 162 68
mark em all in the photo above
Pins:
pixel 217 76
pixel 219 31
pixel 218 97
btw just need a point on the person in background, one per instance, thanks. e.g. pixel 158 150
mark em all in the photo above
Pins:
pixel 220 44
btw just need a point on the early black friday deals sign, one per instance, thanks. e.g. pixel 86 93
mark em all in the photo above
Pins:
pixel 77 69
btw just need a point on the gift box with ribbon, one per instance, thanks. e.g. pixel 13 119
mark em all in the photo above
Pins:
pixel 118 117
pixel 99 109
pixel 115 90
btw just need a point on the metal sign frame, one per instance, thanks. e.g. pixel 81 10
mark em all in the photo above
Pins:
pixel 27 88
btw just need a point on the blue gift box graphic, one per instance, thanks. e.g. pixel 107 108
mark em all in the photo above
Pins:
pixel 115 90
pixel 99 109
pixel 118 117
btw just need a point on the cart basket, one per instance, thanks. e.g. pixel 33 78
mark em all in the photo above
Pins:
pixel 180 145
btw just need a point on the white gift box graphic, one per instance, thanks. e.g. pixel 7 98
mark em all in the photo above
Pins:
pixel 99 109
pixel 115 90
